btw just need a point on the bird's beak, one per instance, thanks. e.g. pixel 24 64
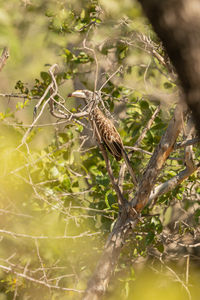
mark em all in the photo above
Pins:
pixel 78 94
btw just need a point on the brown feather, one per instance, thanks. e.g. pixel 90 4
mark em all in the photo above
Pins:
pixel 108 133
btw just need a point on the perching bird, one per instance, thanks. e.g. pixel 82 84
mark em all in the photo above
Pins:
pixel 105 127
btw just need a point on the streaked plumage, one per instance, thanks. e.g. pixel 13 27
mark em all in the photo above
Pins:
pixel 105 127
pixel 108 133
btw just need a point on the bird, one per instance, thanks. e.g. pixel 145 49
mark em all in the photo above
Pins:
pixel 106 130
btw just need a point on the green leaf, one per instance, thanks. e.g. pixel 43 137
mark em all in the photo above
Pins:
pixel 167 85
pixel 45 76
pixel 160 247
pixel 197 215
pixel 149 238
pixel 144 104
pixel 107 200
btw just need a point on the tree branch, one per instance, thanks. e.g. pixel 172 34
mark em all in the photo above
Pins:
pixel 147 127
pixel 3 58
pixel 157 160
pixel 100 278
pixel 171 183
pixel 187 143
pixel 22 275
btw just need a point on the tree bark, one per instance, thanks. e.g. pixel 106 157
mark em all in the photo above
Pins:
pixel 100 278
pixel 177 23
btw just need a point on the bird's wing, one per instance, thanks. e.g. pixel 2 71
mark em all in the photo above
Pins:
pixel 108 133
pixel 112 140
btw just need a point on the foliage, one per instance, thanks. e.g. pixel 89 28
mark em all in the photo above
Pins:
pixel 57 202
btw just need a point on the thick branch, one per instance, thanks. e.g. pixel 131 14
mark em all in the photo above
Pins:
pixel 157 161
pixel 171 183
pixel 99 281
pixel 125 156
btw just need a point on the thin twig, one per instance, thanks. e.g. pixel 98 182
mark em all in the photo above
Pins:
pixel 9 269
pixel 147 127
pixel 40 259
pixel 44 237
pixel 110 77
pixel 96 62
pixel 39 103
pixel 23 96
pixel 187 143
pixel 187 269
pixel 129 167
pixel 178 279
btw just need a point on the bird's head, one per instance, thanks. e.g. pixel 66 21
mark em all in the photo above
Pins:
pixel 83 94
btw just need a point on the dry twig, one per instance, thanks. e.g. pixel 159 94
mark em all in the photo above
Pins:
pixel 3 58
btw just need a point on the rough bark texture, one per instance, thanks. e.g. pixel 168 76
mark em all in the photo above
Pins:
pixel 98 283
pixel 157 160
pixel 177 23
pixel 171 183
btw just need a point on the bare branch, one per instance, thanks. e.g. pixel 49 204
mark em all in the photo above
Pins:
pixel 96 62
pixel 189 154
pixel 178 279
pixel 3 58
pixel 110 77
pixel 189 245
pixel 5 211
pixel 152 48
pixel 15 95
pixel 187 143
pixel 187 269
pixel 157 161
pixel 44 237
pixel 22 275
pixel 135 148
pixel 51 86
pixel 171 183
pixel 41 262
pixel 100 278
pixel 147 127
